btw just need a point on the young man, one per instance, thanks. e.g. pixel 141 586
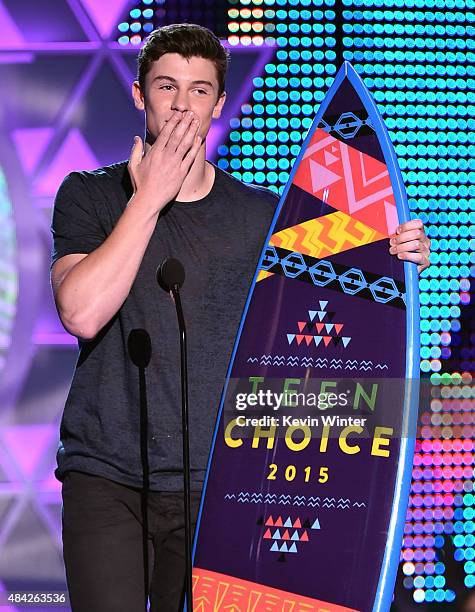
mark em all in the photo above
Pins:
pixel 123 532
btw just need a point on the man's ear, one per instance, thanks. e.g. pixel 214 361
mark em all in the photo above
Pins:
pixel 218 107
pixel 138 96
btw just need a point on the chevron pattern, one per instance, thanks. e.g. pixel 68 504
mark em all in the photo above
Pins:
pixel 326 235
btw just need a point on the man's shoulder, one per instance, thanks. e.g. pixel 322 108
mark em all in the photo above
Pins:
pixel 112 174
pixel 249 191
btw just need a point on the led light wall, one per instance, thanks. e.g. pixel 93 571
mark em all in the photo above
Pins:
pixel 265 140
pixel 416 57
pixel 150 14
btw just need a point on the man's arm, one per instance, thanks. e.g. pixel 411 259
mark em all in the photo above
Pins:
pixel 90 289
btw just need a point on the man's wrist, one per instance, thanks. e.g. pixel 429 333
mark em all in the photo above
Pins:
pixel 148 203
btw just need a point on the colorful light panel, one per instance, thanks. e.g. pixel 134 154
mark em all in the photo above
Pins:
pixel 8 271
pixel 147 15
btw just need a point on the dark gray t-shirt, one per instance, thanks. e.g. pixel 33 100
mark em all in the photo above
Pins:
pixel 135 361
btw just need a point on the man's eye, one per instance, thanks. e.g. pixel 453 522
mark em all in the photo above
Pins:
pixel 163 87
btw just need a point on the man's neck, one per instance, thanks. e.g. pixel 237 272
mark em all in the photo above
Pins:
pixel 199 180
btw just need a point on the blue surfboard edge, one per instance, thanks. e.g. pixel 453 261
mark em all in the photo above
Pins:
pixel 403 478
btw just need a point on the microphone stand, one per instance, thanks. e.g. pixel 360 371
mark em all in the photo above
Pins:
pixel 186 447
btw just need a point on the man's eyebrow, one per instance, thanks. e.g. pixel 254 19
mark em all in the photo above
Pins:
pixel 165 77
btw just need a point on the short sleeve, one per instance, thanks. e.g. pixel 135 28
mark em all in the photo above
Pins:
pixel 75 225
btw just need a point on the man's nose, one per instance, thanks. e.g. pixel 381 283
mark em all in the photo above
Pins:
pixel 180 102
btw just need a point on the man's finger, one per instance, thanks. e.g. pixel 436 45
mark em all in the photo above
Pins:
pixel 136 153
pixel 164 136
pixel 413 234
pixel 188 139
pixel 417 258
pixel 180 131
pixel 192 153
pixel 409 225
pixel 407 247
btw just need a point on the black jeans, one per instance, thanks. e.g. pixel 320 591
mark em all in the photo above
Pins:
pixel 117 554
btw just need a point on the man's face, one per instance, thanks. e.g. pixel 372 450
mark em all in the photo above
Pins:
pixel 176 83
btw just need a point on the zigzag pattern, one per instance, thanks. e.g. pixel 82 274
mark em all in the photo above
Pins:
pixel 223 593
pixel 250 497
pixel 327 235
pixel 318 363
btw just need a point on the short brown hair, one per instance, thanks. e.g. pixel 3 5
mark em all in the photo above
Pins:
pixel 188 40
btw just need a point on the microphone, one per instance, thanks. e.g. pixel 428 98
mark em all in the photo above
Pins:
pixel 171 276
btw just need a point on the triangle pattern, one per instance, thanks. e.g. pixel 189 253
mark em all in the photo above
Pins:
pixel 275 547
pixel 31 144
pixel 11 35
pixel 288 522
pixel 74 148
pixel 391 217
pixel 306 207
pixel 105 13
pixel 313 332
pixel 329 158
pixel 316 524
pixel 321 176
pixel 31 527
pixel 27 444
pixel 293 548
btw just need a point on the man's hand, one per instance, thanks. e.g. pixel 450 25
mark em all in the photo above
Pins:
pixel 410 243
pixel 159 174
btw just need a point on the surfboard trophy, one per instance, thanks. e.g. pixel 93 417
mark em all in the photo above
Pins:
pixel 306 511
